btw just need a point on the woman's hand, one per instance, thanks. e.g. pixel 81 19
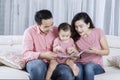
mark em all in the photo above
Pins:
pixel 98 52
pixel 92 50
pixel 48 55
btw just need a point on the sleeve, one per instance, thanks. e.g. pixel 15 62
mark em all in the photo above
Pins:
pixel 28 46
pixel 100 33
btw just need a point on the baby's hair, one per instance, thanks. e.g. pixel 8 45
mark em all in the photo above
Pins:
pixel 64 27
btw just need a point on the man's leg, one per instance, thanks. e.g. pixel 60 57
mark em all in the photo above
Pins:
pixel 63 72
pixel 91 69
pixel 37 69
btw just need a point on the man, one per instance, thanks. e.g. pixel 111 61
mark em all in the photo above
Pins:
pixel 37 49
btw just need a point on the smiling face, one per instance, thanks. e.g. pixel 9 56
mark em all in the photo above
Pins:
pixel 64 35
pixel 46 25
pixel 81 27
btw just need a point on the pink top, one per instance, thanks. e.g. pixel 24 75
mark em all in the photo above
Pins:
pixel 92 41
pixel 64 46
pixel 35 42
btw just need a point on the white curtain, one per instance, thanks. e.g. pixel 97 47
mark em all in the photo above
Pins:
pixel 17 15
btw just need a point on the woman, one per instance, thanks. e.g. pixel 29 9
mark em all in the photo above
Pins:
pixel 87 36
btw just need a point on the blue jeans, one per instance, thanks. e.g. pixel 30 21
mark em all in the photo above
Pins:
pixel 62 72
pixel 88 70
pixel 37 70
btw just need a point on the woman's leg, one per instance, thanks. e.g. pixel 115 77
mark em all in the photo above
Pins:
pixel 80 74
pixel 37 69
pixel 91 69
pixel 51 68
pixel 62 72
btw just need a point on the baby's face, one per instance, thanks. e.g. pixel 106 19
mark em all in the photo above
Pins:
pixel 64 35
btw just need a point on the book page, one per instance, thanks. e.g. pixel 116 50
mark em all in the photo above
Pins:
pixel 74 55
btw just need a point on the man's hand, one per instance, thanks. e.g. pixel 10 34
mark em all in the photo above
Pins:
pixel 48 55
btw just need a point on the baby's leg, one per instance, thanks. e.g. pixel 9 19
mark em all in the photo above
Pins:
pixel 73 66
pixel 51 68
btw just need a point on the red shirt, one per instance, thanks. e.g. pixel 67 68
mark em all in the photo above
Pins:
pixel 92 41
pixel 35 42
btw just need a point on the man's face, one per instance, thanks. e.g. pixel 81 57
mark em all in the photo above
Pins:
pixel 46 25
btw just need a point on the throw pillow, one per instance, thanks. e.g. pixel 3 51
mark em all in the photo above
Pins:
pixel 13 60
pixel 114 61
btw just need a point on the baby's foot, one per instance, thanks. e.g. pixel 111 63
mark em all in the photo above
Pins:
pixel 75 70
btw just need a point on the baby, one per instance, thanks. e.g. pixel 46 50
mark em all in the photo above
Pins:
pixel 60 47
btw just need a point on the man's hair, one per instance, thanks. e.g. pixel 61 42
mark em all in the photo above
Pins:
pixel 42 14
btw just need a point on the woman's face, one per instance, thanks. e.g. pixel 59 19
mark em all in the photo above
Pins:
pixel 81 27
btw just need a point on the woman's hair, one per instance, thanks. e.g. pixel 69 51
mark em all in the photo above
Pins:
pixel 64 27
pixel 42 14
pixel 80 16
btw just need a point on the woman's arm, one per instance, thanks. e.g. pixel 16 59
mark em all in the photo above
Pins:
pixel 104 46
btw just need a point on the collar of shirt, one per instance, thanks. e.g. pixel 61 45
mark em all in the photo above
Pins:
pixel 39 31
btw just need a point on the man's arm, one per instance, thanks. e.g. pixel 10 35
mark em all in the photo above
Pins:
pixel 28 47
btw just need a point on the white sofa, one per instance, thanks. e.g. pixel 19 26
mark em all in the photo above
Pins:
pixel 13 43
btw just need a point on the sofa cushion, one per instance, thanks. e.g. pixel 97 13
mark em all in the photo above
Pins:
pixel 5 40
pixel 17 39
pixel 1 64
pixel 10 39
pixel 112 73
pixel 113 41
pixel 7 73
pixel 11 43
pixel 113 52
pixel 15 48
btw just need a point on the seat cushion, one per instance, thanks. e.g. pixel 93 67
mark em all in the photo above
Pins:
pixel 12 74
pixel 112 73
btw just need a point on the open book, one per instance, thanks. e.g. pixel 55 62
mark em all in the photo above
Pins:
pixel 74 55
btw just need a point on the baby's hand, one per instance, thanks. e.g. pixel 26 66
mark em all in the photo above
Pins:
pixel 57 49
pixel 71 50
